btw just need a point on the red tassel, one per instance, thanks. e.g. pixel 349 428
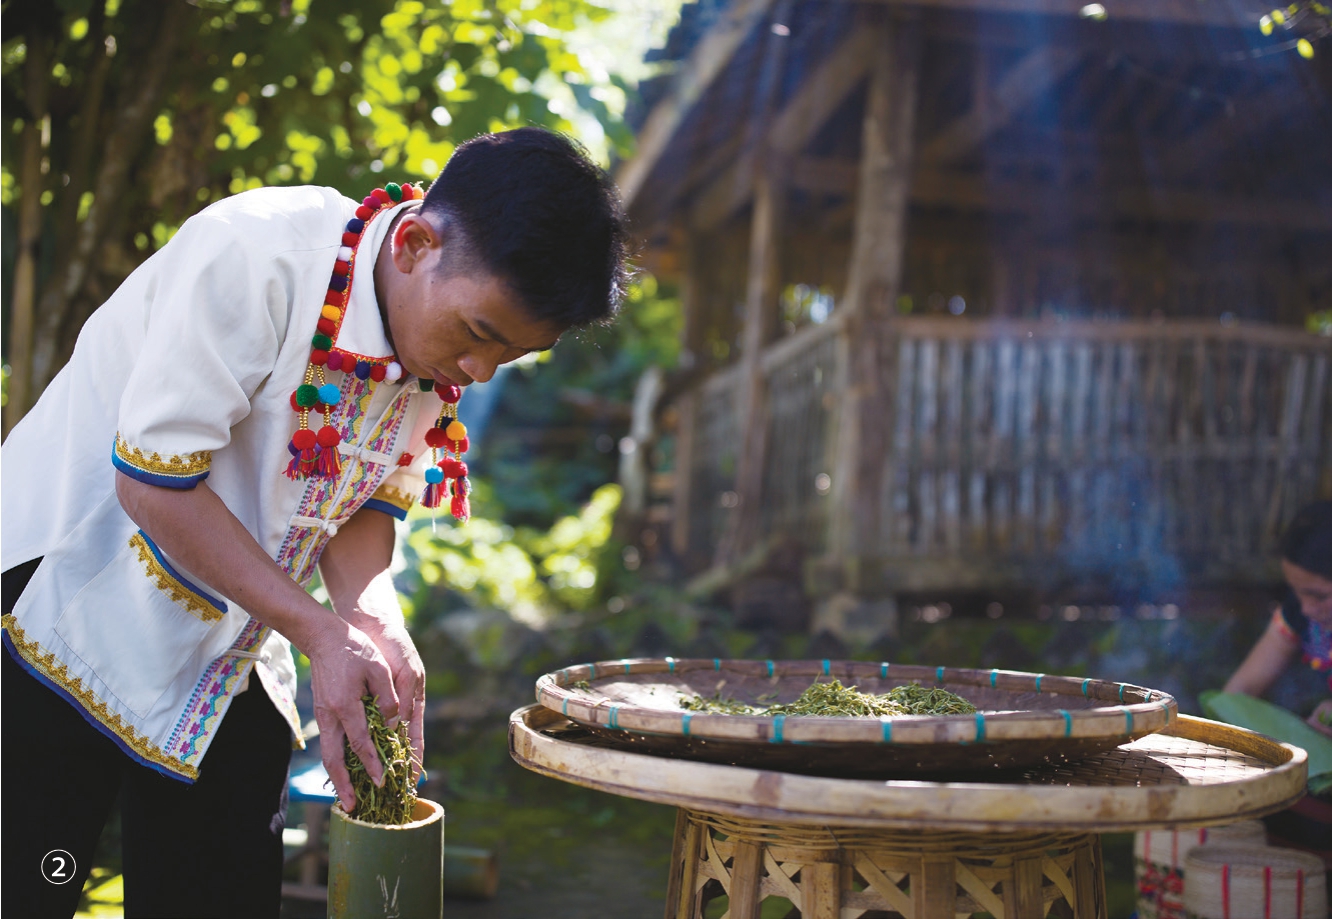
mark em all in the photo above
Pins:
pixel 303 465
pixel 460 507
pixel 433 495
pixel 329 466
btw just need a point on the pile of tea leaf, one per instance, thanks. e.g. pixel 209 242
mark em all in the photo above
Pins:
pixel 392 802
pixel 832 698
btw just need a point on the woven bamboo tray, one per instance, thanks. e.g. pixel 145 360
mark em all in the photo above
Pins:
pixel 1024 718
pixel 1194 773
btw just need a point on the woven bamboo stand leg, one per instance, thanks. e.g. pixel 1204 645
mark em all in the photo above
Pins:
pixel 846 872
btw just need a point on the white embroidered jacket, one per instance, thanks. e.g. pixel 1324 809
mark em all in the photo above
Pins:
pixel 187 372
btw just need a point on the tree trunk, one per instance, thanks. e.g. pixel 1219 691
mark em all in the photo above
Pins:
pixel 119 152
pixel 36 75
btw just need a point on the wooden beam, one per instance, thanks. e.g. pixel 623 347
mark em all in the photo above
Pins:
pixel 709 59
pixel 1028 80
pixel 973 192
pixel 1244 13
pixel 1252 116
pixel 839 73
pixel 968 191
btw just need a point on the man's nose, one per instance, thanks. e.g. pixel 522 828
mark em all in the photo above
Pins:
pixel 478 366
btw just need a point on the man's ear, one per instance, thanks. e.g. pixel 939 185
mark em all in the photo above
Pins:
pixel 413 239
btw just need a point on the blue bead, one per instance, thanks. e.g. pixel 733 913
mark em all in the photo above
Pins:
pixel 362 370
pixel 355 225
pixel 330 394
pixel 434 475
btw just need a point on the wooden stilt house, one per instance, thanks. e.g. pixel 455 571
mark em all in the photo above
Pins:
pixel 988 292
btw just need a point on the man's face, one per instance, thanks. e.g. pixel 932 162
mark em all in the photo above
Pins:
pixel 1313 592
pixel 451 328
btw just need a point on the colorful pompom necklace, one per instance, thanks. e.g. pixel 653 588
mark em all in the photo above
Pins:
pixel 314 454
pixel 447 441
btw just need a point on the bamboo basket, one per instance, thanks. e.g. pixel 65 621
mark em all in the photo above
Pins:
pixel 1024 719
pixel 1158 862
pixel 1244 882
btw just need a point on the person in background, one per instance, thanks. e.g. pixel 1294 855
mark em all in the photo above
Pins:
pixel 1303 624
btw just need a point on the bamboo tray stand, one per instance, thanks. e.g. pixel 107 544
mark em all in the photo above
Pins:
pixel 1022 848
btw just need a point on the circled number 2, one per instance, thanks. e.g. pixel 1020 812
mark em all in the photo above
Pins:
pixel 58 866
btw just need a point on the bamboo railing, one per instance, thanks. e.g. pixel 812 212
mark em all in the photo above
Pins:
pixel 1154 451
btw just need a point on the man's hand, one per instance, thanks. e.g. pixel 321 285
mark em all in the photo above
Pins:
pixel 389 635
pixel 1321 719
pixel 344 666
pixel 355 570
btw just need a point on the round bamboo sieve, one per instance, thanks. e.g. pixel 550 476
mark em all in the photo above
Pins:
pixel 1237 882
pixel 1024 719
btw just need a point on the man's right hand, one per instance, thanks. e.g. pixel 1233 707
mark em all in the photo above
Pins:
pixel 345 665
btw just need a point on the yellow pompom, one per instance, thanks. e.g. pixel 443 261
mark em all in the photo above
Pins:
pixel 1305 48
pixel 330 311
pixel 456 430
pixel 1278 17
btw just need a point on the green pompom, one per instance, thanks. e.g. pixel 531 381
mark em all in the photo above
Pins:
pixel 394 191
pixel 321 342
pixel 307 395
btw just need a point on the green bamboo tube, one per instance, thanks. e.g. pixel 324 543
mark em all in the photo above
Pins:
pixel 471 874
pixel 379 870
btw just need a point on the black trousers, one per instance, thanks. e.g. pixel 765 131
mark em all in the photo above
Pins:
pixel 211 849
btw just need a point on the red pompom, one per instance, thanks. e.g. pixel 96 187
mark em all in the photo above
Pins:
pixel 341 268
pixel 452 468
pixel 335 298
pixel 377 373
pixel 381 196
pixel 436 438
pixel 334 360
pixel 318 357
pixel 462 445
pixel 408 192
pixel 326 326
pixel 350 239
pixel 294 406
pixel 369 203
pixel 450 394
pixel 304 439
pixel 405 459
pixel 328 436
pixel 364 213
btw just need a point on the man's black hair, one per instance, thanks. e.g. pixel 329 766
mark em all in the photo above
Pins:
pixel 540 216
pixel 1307 542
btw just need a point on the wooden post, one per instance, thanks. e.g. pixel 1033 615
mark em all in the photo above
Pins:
pixel 762 293
pixel 936 894
pixel 874 279
pixel 684 867
pixel 746 880
pixel 821 891
pixel 694 302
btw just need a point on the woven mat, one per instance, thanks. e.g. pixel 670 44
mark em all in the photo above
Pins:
pixel 1155 760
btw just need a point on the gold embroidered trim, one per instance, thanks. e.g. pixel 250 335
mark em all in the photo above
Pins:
pixel 189 464
pixel 169 584
pixel 395 496
pixel 57 673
